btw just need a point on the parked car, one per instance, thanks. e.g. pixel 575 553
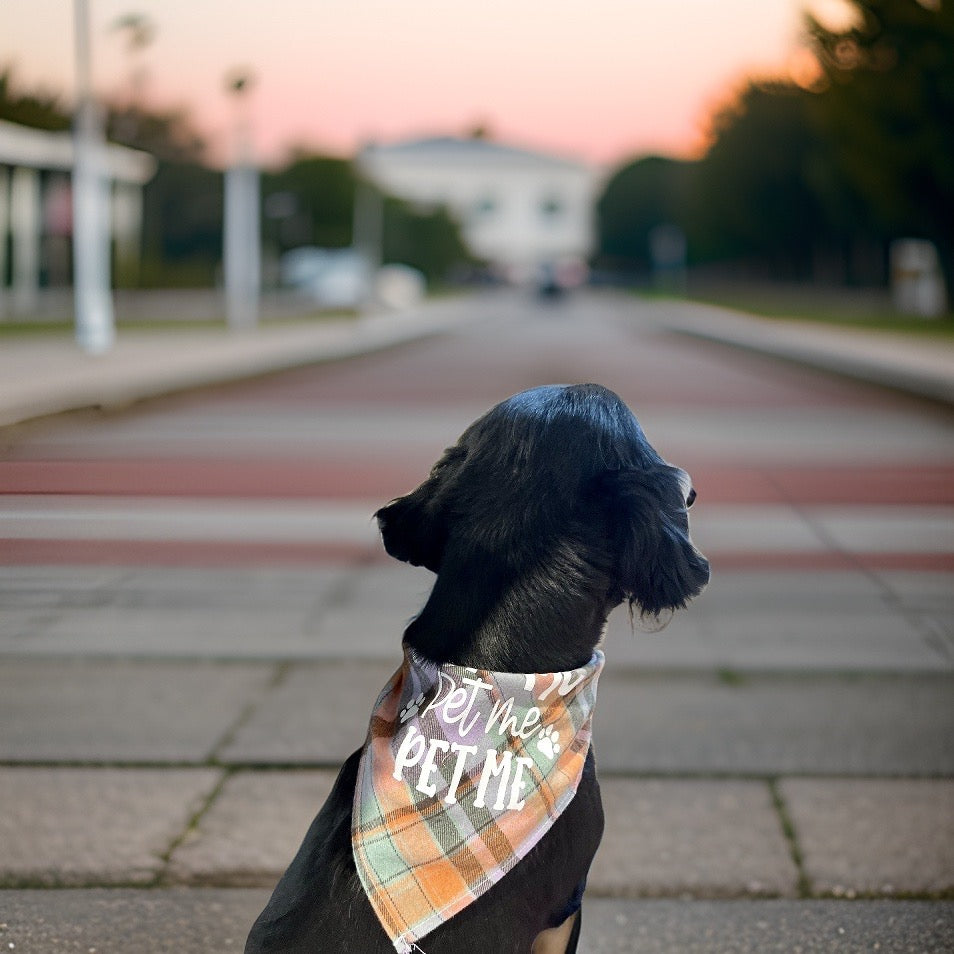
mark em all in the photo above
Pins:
pixel 331 277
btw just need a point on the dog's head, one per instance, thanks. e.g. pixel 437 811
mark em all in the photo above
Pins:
pixel 557 472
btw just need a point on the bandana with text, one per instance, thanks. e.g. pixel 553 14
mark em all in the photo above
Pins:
pixel 463 772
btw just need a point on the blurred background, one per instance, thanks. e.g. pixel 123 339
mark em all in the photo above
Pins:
pixel 422 207
pixel 792 156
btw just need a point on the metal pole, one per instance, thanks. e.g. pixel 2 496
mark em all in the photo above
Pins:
pixel 242 231
pixel 241 252
pixel 368 224
pixel 95 330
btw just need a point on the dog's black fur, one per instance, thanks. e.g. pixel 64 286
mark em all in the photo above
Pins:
pixel 550 510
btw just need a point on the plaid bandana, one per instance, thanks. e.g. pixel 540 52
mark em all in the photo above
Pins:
pixel 463 772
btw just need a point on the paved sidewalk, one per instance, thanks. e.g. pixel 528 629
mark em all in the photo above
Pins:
pixel 40 375
pixel 687 835
pixel 917 366
pixel 216 921
pixel 195 617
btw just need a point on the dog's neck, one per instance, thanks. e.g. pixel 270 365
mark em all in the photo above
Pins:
pixel 546 617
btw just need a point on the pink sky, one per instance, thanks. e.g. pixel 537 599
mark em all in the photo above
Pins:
pixel 602 80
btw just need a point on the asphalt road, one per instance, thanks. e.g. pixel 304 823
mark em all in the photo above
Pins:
pixel 195 615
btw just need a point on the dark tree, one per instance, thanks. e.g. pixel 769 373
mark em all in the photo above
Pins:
pixel 754 195
pixel 641 196
pixel 34 108
pixel 319 196
pixel 886 110
pixel 182 226
pixel 428 240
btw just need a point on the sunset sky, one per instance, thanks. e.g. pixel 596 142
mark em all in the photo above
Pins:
pixel 603 80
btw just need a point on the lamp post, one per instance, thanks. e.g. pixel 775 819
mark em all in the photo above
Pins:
pixel 368 221
pixel 242 239
pixel 95 330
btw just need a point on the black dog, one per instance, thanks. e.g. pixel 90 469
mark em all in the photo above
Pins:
pixel 551 510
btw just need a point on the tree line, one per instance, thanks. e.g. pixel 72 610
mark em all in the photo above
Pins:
pixel 807 182
pixel 813 181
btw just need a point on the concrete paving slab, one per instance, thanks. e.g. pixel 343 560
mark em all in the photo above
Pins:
pixel 887 529
pixel 248 587
pixel 391 586
pixel 874 836
pixel 369 611
pixel 72 517
pixel 719 528
pixel 63 826
pixel 745 621
pixel 239 425
pixel 238 613
pixel 664 838
pixel 49 584
pixel 773 620
pixel 800 435
pixel 175 631
pixel 700 838
pixel 921 590
pixel 116 711
pixel 73 587
pixel 217 921
pixel 318 714
pixel 367 632
pixel 750 527
pixel 766 927
pixel 775 724
pixel 124 921
pixel 658 723
pixel 252 831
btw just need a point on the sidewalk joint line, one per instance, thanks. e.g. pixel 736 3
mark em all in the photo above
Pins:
pixel 191 825
pixel 279 674
pixel 804 885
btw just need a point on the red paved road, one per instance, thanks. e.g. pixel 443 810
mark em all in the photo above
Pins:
pixel 366 477
pixel 752 431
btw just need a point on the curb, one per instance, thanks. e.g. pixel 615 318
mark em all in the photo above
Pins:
pixel 45 378
pixel 925 370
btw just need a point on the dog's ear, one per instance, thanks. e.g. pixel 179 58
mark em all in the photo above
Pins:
pixel 657 567
pixel 414 527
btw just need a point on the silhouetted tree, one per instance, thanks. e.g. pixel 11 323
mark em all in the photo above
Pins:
pixel 316 208
pixel 35 108
pixel 320 193
pixel 182 225
pixel 168 135
pixel 887 112
pixel 640 196
pixel 428 240
pixel 753 195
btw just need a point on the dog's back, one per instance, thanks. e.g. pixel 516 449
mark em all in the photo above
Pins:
pixel 550 510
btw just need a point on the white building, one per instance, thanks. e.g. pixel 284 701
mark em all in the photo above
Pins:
pixel 517 209
pixel 35 205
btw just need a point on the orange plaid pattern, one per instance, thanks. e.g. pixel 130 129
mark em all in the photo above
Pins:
pixel 462 773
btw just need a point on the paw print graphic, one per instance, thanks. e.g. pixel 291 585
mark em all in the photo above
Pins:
pixel 548 742
pixel 412 708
